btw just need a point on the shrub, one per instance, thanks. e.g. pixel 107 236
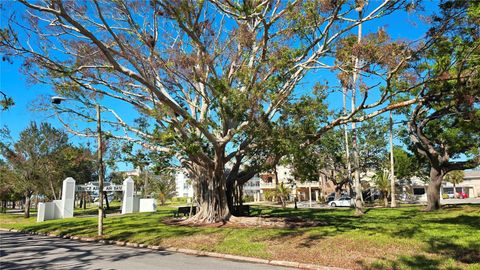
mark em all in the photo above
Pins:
pixel 179 199
pixel 248 198
pixel 269 195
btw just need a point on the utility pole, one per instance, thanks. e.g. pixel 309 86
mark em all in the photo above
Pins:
pixel 347 147
pixel 56 100
pixel 393 202
pixel 356 159
pixel 100 173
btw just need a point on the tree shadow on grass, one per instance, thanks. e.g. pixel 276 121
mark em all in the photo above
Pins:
pixel 420 262
pixel 94 211
pixel 466 254
pixel 472 221
pixel 64 227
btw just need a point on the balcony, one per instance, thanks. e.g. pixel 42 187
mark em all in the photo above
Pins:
pixel 267 185
pixel 307 184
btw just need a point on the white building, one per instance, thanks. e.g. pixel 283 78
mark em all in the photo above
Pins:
pixel 252 188
pixel 183 184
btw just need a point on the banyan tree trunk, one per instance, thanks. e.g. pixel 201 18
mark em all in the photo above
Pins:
pixel 211 196
pixel 231 197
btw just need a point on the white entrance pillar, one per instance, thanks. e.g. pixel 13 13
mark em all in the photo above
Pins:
pixel 127 203
pixel 68 198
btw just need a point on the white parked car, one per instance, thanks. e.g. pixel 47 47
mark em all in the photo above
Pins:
pixel 344 201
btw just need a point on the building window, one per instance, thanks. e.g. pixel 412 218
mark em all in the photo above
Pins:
pixel 418 191
pixel 269 179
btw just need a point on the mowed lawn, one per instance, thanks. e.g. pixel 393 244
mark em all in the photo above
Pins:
pixel 402 238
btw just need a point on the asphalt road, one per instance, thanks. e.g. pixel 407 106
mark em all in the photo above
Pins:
pixel 21 251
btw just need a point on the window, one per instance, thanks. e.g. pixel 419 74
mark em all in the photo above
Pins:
pixel 269 179
pixel 185 185
pixel 418 191
pixel 448 190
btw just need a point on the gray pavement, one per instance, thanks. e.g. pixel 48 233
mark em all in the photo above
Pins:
pixel 460 201
pixel 21 251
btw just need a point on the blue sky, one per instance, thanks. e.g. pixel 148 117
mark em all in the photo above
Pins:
pixel 13 83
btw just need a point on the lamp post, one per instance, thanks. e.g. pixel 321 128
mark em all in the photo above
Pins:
pixel 57 100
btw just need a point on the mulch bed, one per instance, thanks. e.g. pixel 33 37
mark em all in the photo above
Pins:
pixel 252 222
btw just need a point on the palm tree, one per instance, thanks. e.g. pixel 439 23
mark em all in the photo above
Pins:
pixel 381 180
pixel 454 177
pixel 282 193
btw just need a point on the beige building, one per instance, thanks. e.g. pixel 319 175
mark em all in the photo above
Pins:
pixel 470 184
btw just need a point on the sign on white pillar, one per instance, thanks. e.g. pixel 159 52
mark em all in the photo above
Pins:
pixel 127 203
pixel 68 197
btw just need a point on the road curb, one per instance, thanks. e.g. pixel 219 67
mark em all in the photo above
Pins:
pixel 290 264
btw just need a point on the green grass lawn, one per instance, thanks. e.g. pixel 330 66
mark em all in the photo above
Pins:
pixel 402 238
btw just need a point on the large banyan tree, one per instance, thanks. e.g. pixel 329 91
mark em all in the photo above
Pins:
pixel 207 80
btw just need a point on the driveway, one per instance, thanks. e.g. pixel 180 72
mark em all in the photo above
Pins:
pixel 21 251
pixel 460 201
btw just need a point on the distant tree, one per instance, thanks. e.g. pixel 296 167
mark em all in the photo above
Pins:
pixel 78 162
pixel 327 156
pixel 42 158
pixel 51 161
pixel 162 187
pixel 116 177
pixel 25 158
pixel 405 167
pixel 7 181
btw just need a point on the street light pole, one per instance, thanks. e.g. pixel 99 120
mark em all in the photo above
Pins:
pixel 100 173
pixel 56 100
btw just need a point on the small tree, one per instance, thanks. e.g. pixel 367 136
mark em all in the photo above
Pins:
pixel 25 158
pixel 455 177
pixel 42 158
pixel 282 193
pixel 162 187
pixel 382 183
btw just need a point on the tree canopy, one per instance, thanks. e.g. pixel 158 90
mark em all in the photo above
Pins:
pixel 444 126
pixel 209 79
